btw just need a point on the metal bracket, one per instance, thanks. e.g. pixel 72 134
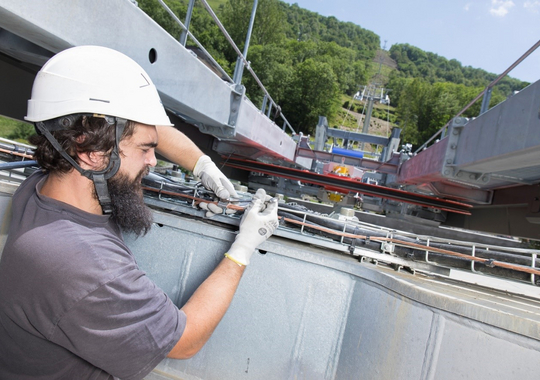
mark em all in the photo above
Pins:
pixel 449 169
pixel 387 247
pixel 237 95
pixel 222 132
pixel 227 131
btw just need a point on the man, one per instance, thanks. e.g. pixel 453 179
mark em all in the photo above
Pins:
pixel 73 303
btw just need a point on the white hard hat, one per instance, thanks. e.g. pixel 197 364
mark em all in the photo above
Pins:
pixel 98 80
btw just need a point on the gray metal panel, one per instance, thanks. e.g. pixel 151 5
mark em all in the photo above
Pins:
pixel 378 326
pixel 305 313
pixel 525 174
pixel 507 137
pixel 188 87
pixel 469 351
pixel 253 134
pixel 426 166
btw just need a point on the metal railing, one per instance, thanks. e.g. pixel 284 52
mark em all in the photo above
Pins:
pixel 447 253
pixel 14 157
pixel 486 94
pixel 268 103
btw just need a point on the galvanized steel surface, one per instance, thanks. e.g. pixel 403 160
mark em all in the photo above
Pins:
pixel 304 313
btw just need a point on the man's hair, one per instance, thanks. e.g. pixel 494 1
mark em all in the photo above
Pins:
pixel 87 134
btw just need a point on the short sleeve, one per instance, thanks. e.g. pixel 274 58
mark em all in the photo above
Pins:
pixel 125 327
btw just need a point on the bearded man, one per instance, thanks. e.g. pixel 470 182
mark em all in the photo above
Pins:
pixel 73 302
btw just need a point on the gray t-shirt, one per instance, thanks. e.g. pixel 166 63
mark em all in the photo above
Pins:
pixel 73 302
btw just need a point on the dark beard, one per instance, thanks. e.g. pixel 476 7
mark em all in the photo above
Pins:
pixel 128 208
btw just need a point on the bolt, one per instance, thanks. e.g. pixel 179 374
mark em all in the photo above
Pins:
pixel 453 146
pixel 447 172
pixel 449 161
pixel 471 176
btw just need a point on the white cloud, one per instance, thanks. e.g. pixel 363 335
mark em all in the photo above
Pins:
pixel 500 8
pixel 533 6
pixel 467 6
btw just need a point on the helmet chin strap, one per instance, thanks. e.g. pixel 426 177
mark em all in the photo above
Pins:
pixel 98 177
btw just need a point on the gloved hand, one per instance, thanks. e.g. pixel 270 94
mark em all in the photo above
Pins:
pixel 213 179
pixel 259 221
pixel 213 209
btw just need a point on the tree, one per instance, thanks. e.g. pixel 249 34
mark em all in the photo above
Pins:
pixel 343 62
pixel 412 101
pixel 22 132
pixel 159 14
pixel 268 27
pixel 414 62
pixel 425 108
pixel 273 65
pixel 312 93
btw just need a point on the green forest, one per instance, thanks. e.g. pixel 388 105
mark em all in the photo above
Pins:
pixel 312 65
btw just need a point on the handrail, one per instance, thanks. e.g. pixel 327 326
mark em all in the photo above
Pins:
pixel 487 89
pixel 241 56
pixel 246 63
pixel 173 15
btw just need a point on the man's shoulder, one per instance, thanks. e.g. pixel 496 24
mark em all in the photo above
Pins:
pixel 67 260
pixel 70 244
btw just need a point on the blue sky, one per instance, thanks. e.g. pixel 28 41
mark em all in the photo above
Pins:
pixel 486 34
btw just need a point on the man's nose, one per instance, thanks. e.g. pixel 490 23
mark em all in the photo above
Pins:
pixel 151 159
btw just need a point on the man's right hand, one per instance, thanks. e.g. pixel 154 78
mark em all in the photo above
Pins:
pixel 258 223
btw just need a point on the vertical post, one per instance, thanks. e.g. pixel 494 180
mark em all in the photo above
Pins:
pixel 263 108
pixel 269 109
pixel 183 36
pixel 239 69
pixel 367 118
pixel 485 100
pixel 321 133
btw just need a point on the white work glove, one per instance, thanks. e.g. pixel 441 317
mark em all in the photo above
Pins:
pixel 213 209
pixel 213 179
pixel 258 223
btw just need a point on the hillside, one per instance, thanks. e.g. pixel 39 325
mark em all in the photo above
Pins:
pixel 351 116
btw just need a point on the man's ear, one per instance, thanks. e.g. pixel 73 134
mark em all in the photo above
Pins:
pixel 90 160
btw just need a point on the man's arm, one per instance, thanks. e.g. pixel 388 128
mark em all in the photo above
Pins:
pixel 206 308
pixel 177 147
